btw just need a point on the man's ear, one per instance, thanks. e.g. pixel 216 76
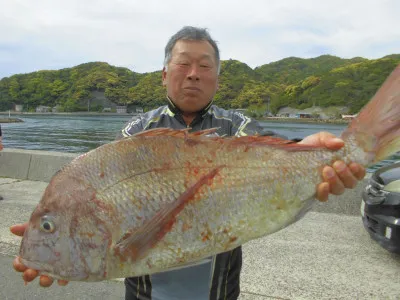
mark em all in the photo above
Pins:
pixel 164 76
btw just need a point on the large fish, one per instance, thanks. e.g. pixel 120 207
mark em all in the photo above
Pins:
pixel 164 198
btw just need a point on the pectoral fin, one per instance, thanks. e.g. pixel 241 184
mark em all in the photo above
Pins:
pixel 136 243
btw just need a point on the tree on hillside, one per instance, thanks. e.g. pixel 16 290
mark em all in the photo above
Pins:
pixel 149 92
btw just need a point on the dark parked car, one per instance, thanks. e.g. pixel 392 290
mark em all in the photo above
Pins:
pixel 380 207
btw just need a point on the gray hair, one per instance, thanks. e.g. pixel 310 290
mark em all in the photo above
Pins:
pixel 191 34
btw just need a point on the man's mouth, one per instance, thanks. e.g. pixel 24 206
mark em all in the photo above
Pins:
pixel 192 88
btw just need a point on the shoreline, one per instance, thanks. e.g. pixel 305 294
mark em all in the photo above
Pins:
pixel 267 119
pixel 11 120
pixel 79 113
pixel 304 120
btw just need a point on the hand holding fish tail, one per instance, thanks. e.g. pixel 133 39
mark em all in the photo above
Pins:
pixel 339 176
pixel 30 274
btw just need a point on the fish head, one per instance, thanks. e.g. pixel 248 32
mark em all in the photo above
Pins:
pixel 46 245
pixel 64 238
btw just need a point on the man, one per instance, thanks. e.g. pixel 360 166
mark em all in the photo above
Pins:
pixel 190 74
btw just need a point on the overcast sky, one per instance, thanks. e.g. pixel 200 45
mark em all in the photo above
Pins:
pixel 53 34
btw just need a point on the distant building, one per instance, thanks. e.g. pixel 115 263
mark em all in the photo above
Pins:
pixel 303 115
pixel 268 114
pixel 297 115
pixel 56 109
pixel 349 117
pixel 19 107
pixel 121 109
pixel 43 109
pixel 107 109
pixel 283 115
pixel 135 109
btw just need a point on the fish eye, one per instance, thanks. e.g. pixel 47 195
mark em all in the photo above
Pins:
pixel 47 225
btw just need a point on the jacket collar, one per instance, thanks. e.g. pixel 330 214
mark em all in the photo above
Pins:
pixel 172 107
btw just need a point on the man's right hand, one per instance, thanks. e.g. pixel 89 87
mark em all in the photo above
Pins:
pixel 30 274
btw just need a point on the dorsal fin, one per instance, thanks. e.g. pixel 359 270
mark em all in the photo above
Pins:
pixel 184 133
pixel 248 141
pixel 272 141
pixel 262 140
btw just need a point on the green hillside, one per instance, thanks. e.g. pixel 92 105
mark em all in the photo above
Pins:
pixel 293 69
pixel 296 82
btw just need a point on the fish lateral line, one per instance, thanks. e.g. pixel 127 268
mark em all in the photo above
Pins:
pixel 153 170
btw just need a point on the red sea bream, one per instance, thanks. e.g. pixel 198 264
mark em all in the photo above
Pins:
pixel 164 198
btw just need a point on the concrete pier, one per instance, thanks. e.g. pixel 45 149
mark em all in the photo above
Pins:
pixel 326 255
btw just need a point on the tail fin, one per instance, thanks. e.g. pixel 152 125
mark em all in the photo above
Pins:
pixel 377 126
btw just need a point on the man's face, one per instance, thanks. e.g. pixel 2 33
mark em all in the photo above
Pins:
pixel 191 77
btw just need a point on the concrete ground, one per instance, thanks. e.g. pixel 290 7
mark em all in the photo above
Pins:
pixel 323 256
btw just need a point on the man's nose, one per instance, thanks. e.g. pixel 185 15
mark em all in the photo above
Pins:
pixel 193 73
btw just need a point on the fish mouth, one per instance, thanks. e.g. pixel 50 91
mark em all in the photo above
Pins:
pixel 42 268
pixel 49 270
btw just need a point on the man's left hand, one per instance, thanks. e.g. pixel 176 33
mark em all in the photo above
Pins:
pixel 339 176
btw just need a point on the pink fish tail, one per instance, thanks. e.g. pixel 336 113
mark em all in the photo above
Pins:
pixel 376 128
